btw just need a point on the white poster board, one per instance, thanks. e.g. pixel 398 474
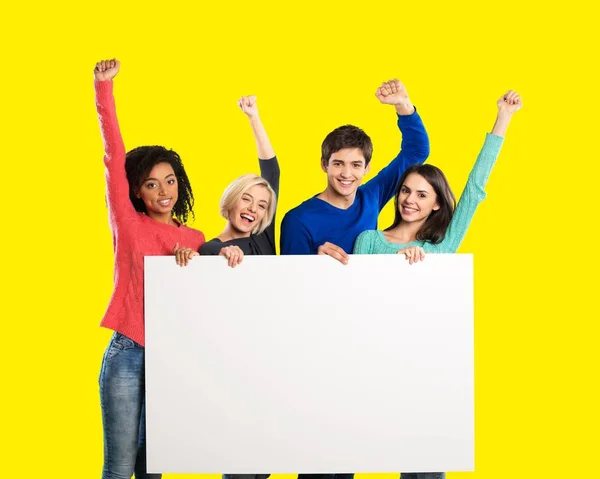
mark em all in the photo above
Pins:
pixel 293 364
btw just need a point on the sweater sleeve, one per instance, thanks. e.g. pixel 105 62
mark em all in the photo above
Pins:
pixel 295 238
pixel 472 195
pixel 364 243
pixel 413 150
pixel 269 170
pixel 117 187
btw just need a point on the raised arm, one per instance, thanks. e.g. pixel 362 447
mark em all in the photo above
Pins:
pixel 117 187
pixel 415 142
pixel 263 145
pixel 474 192
pixel 269 167
pixel 508 104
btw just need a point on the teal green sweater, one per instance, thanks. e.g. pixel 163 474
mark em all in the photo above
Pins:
pixel 373 241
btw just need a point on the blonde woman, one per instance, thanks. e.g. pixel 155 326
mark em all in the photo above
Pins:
pixel 248 204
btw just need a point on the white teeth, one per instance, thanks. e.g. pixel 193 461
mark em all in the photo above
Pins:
pixel 247 217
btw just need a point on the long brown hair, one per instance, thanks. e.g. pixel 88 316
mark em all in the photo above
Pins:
pixel 436 224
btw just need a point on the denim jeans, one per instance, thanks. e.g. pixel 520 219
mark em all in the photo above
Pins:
pixel 122 396
pixel 245 476
pixel 409 475
pixel 326 476
pixel 423 475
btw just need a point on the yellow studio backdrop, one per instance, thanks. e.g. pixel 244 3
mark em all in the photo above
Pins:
pixel 313 67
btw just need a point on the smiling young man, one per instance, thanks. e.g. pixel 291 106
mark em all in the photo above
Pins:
pixel 330 222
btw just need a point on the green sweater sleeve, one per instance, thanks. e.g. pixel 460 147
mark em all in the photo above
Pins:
pixel 471 196
pixel 364 243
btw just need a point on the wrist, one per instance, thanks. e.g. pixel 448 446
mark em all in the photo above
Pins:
pixel 501 124
pixel 504 114
pixel 405 108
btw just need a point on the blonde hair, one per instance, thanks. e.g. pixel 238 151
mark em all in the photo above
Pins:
pixel 237 188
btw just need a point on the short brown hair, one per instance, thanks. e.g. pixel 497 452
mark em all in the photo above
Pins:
pixel 347 136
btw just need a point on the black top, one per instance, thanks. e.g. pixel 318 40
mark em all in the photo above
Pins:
pixel 263 243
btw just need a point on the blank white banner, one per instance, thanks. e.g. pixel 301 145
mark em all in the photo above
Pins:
pixel 299 364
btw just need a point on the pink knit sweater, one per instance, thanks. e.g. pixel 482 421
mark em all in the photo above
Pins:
pixel 135 235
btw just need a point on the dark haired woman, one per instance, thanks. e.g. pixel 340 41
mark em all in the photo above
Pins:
pixel 425 217
pixel 426 221
pixel 149 198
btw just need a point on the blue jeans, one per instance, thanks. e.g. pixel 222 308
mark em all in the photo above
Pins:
pixel 410 475
pixel 423 475
pixel 326 476
pixel 122 396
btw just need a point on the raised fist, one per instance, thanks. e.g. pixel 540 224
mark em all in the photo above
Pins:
pixel 248 105
pixel 106 69
pixel 392 93
pixel 510 102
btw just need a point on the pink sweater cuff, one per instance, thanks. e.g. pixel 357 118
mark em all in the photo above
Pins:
pixel 103 87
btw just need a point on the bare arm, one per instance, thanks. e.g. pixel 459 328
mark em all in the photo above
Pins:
pixel 507 105
pixel 263 145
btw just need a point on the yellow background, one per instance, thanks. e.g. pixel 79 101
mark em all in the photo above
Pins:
pixel 313 67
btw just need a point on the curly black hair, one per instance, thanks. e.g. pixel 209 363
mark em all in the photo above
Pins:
pixel 139 162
